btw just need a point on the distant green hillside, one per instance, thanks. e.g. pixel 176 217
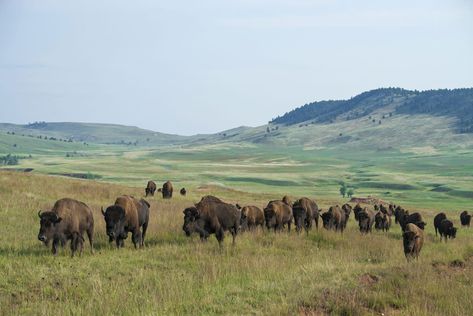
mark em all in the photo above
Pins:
pixel 457 103
pixel 94 133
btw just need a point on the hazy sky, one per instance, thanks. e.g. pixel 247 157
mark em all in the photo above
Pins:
pixel 202 66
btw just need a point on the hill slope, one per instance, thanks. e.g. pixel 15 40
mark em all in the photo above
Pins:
pixel 94 133
pixel 457 103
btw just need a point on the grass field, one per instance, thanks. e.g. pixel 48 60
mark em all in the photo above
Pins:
pixel 265 273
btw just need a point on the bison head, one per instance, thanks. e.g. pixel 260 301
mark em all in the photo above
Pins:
pixel 327 220
pixel 452 232
pixel 115 221
pixel 191 215
pixel 409 241
pixel 48 222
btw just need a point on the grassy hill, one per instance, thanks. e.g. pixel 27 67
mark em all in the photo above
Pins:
pixel 456 103
pixel 95 133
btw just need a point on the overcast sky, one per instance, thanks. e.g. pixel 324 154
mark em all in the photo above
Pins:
pixel 204 66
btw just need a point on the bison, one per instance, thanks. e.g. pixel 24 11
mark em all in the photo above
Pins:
pixel 150 188
pixel 212 216
pixel 127 215
pixel 413 240
pixel 277 214
pixel 414 218
pixel 334 219
pixel 347 209
pixel 167 190
pixel 366 220
pixel 304 212
pixel 382 221
pixel 465 218
pixel 183 191
pixel 437 220
pixel 251 217
pixel 447 230
pixel 399 212
pixel 68 220
pixel 356 210
pixel 286 199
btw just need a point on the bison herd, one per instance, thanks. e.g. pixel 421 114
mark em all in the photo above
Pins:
pixel 69 219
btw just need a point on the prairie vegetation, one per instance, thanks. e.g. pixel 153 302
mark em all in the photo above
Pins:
pixel 265 273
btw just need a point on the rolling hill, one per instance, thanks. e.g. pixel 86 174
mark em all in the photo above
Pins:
pixel 378 119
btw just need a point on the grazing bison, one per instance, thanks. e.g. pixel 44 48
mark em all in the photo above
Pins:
pixel 304 212
pixel 212 216
pixel 465 218
pixel 382 221
pixel 356 210
pixel 277 214
pixel 366 220
pixel 437 220
pixel 150 188
pixel 68 220
pixel 447 230
pixel 399 213
pixel 414 218
pixel 183 191
pixel 251 217
pixel 334 219
pixel 127 215
pixel 167 190
pixel 413 240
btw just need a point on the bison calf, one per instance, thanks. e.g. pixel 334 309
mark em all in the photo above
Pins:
pixel 251 217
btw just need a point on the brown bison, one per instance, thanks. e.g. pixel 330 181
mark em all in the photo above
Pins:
pixel 347 209
pixel 150 188
pixel 304 212
pixel 68 220
pixel 382 221
pixel 366 220
pixel 167 190
pixel 414 218
pixel 183 191
pixel 127 215
pixel 413 240
pixel 334 219
pixel 286 199
pixel 212 216
pixel 447 230
pixel 251 217
pixel 465 218
pixel 277 214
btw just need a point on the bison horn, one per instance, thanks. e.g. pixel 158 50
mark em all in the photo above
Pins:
pixel 103 213
pixel 39 213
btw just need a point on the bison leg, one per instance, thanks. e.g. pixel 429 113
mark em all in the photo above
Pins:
pixel 136 239
pixel 143 234
pixel 220 235
pixel 54 248
pixel 90 236
pixel 289 227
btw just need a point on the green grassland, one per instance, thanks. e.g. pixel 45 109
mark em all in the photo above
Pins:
pixel 265 273
pixel 418 162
